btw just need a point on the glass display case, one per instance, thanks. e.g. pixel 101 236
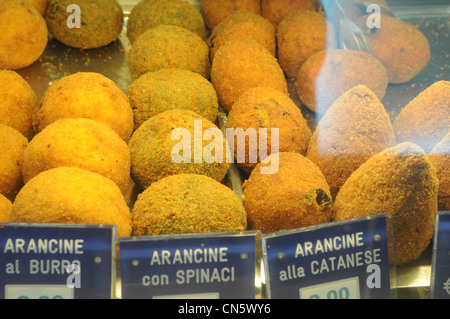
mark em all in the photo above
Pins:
pixel 357 28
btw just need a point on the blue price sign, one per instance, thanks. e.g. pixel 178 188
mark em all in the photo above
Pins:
pixel 213 266
pixel 440 266
pixel 57 261
pixel 339 260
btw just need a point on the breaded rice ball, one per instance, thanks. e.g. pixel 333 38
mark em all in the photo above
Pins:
pixel 82 143
pixel 276 10
pixel 301 34
pixel 101 22
pixel 24 34
pixel 147 14
pixel 408 52
pixel 328 74
pixel 243 24
pixel 166 47
pixel 297 195
pixel 266 108
pixel 17 102
pixel 167 89
pixel 40 5
pixel 402 181
pixel 353 129
pixel 187 203
pixel 12 145
pixel 425 120
pixel 5 209
pixel 177 142
pixel 86 95
pixel 243 64
pixel 72 195
pixel 440 157
pixel 215 11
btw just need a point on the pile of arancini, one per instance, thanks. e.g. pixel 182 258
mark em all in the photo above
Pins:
pixel 80 150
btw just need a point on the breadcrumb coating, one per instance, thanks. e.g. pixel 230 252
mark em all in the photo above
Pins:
pixel 187 203
pixel 12 145
pixel 353 129
pixel 72 195
pixel 82 143
pixel 401 181
pixel 17 102
pixel 242 64
pixel 425 120
pixel 147 14
pixel 297 195
pixel 86 95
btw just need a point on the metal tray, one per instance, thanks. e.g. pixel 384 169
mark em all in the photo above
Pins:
pixel 58 60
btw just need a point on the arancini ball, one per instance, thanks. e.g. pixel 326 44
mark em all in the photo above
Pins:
pixel 215 11
pixel 401 181
pixel 82 143
pixel 24 34
pixel 301 34
pixel 242 64
pixel 177 142
pixel 155 92
pixel 12 145
pixel 243 24
pixel 18 102
pixel 187 203
pixel 72 195
pixel 297 195
pixel 425 120
pixel 101 22
pixel 266 108
pixel 86 95
pixel 166 47
pixel 147 14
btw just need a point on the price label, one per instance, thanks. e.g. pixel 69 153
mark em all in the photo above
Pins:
pixel 213 266
pixel 38 292
pixel 69 261
pixel 440 266
pixel 339 289
pixel 338 260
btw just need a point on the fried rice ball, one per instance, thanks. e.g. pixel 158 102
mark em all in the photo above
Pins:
pixel 86 95
pixel 168 46
pixel 150 13
pixel 176 142
pixel 402 181
pixel 425 120
pixel 242 64
pixel 155 92
pixel 215 11
pixel 243 24
pixel 5 209
pixel 408 52
pixel 24 34
pixel 187 203
pixel 12 145
pixel 40 5
pixel 301 34
pixel 276 10
pixel 72 195
pixel 82 143
pixel 297 195
pixel 101 22
pixel 17 102
pixel 328 74
pixel 440 157
pixel 267 108
pixel 353 129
